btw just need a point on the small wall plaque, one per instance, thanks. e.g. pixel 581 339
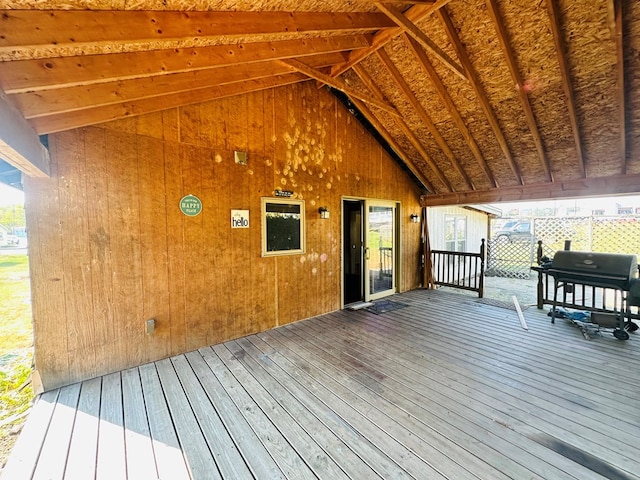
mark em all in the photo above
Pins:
pixel 239 218
pixel 190 205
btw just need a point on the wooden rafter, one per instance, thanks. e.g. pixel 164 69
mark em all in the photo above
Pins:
pixel 616 5
pixel 91 116
pixel 501 32
pixel 369 82
pixel 424 116
pixel 107 27
pixel 426 65
pixel 339 85
pixel 418 35
pixel 380 39
pixel 474 82
pixel 556 30
pixel 583 187
pixel 42 74
pixel 54 102
pixel 397 148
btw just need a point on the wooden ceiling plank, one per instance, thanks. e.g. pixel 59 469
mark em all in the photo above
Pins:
pixel 620 93
pixel 380 39
pixel 82 118
pixel 418 35
pixel 380 128
pixel 339 85
pixel 42 74
pixel 54 102
pixel 19 143
pixel 108 27
pixel 501 32
pixel 577 188
pixel 424 116
pixel 556 30
pixel 426 65
pixel 371 85
pixel 474 82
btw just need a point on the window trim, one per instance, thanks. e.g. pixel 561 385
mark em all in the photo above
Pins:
pixel 263 216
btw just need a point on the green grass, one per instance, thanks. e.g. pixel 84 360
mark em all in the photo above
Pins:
pixel 16 339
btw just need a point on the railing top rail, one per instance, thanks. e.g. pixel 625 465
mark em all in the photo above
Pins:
pixel 457 254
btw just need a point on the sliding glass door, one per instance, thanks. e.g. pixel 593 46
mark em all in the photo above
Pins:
pixel 379 249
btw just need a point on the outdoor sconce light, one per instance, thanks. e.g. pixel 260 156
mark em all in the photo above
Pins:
pixel 414 218
pixel 324 213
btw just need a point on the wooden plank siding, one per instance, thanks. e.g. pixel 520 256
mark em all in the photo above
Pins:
pixel 443 388
pixel 111 249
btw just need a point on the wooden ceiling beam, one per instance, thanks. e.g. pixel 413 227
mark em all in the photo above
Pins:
pixel 418 35
pixel 370 83
pixel 19 143
pixel 582 187
pixel 556 30
pixel 502 35
pixel 56 28
pixel 616 5
pixel 380 39
pixel 397 148
pixel 42 74
pixel 339 85
pixel 474 82
pixel 424 116
pixel 446 99
pixel 54 102
pixel 82 118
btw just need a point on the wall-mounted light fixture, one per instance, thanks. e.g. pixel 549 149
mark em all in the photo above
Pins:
pixel 414 218
pixel 324 212
pixel 240 157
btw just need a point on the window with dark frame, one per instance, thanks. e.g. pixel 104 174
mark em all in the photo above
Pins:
pixel 282 226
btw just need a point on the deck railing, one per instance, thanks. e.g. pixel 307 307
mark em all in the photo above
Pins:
pixel 577 295
pixel 386 261
pixel 464 270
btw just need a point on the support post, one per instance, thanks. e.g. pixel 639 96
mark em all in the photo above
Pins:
pixel 482 256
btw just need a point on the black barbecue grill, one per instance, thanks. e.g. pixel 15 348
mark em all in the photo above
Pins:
pixel 605 270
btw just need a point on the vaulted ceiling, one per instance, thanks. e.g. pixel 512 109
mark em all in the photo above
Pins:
pixel 483 100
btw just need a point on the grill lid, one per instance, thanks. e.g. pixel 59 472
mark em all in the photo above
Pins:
pixel 617 265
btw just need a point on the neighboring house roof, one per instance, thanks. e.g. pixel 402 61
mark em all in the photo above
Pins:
pixel 490 210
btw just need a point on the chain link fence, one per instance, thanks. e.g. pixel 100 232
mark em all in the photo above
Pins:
pixel 511 253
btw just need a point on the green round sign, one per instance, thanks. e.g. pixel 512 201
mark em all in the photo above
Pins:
pixel 190 205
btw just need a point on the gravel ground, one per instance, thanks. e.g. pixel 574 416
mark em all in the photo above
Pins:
pixel 503 290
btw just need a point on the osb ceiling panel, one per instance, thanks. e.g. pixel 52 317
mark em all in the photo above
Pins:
pixel 484 100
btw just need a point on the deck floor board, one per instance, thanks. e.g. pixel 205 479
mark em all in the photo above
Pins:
pixel 443 388
pixel 81 461
pixel 111 455
pixel 170 460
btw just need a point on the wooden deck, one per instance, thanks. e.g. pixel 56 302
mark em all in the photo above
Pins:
pixel 445 387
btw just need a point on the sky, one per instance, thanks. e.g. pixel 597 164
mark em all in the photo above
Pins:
pixel 10 196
